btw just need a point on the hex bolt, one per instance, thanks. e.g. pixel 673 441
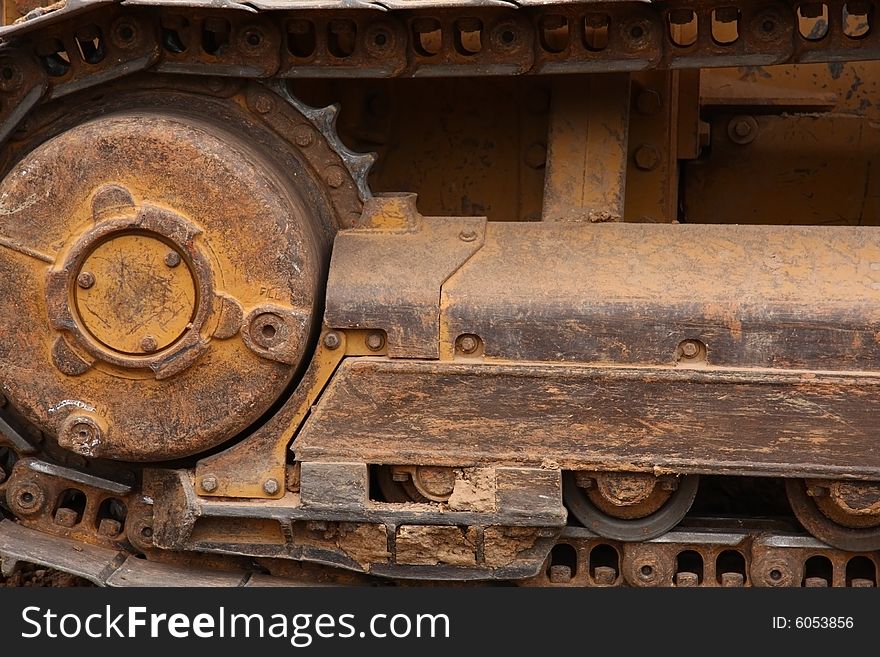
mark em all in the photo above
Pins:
pixel 149 344
pixel 270 486
pixel 208 483
pixel 331 340
pixel 689 349
pixel 649 102
pixel 468 344
pixel 467 235
pixel 647 157
pixel 172 259
pixel 686 579
pixel 375 341
pixel 85 280
pixel 742 129
pixel 604 575
pixel 560 574
pixel 109 527
pixel 732 580
pixel 66 517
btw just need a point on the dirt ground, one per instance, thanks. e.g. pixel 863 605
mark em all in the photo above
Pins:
pixel 31 575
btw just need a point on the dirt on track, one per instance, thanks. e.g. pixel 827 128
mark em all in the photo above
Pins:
pixel 31 575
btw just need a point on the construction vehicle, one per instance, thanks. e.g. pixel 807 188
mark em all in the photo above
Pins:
pixel 535 292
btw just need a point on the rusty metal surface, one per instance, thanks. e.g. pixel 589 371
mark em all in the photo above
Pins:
pixel 587 150
pixel 496 39
pixel 256 466
pixel 822 168
pixel 769 423
pixel 790 297
pixel 388 278
pixel 232 268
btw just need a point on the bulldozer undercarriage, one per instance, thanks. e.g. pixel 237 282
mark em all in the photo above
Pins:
pixel 628 332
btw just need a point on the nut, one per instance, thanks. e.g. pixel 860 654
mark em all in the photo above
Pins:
pixel 270 486
pixel 208 483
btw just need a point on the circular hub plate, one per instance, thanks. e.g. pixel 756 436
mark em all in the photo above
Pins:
pixel 135 294
pixel 145 243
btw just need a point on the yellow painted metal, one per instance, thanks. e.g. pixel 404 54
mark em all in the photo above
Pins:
pixel 135 294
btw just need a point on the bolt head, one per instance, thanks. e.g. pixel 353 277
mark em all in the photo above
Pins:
pixel 172 259
pixel 690 349
pixel 331 340
pixel 375 341
pixel 742 129
pixel 303 136
pixel 270 486
pixel 468 344
pixel 148 344
pixel 334 176
pixel 647 157
pixel 209 483
pixel 467 235
pixel 85 280
pixel 263 104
